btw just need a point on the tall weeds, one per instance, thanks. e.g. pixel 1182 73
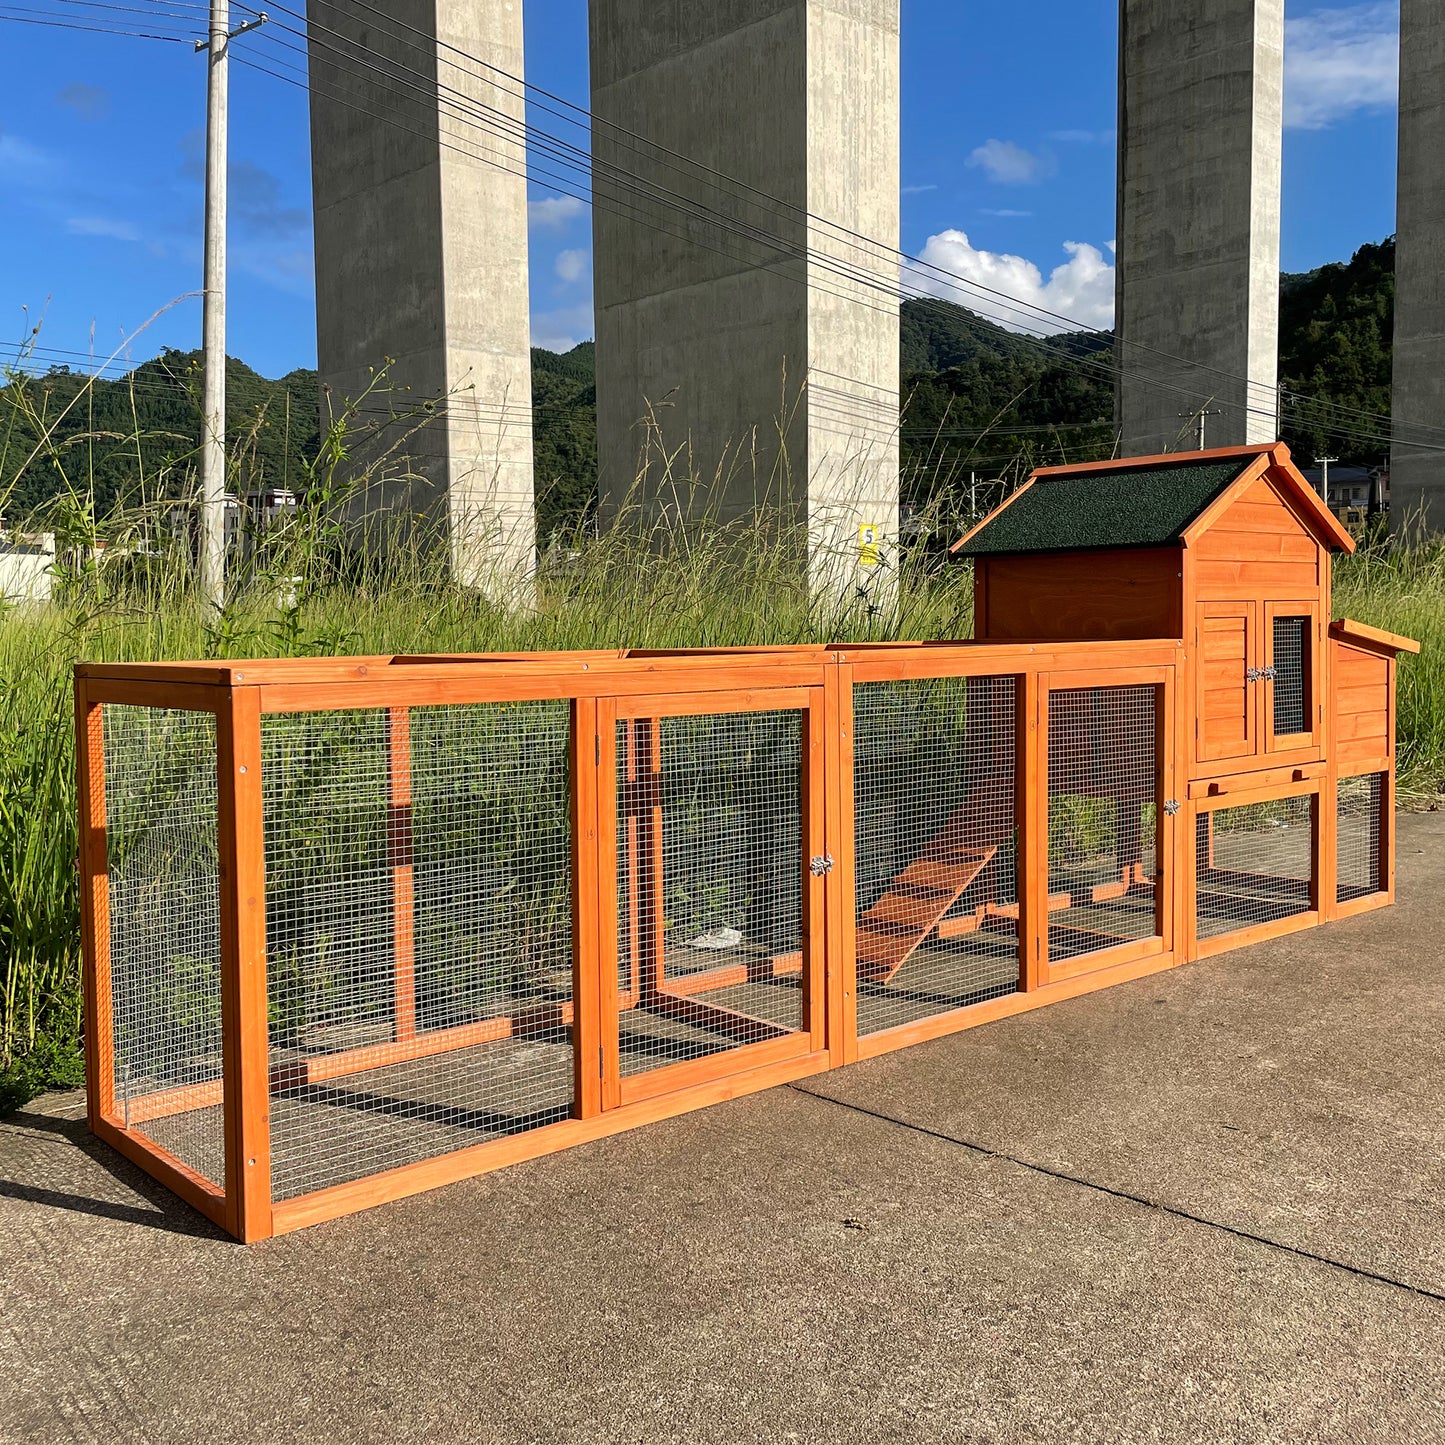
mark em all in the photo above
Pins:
pixel 125 591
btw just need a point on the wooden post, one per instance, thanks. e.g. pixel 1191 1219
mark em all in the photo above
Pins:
pixel 244 1029
pixel 399 847
pixel 94 907
pixel 1387 792
pixel 816 890
pixel 841 808
pixel 1031 760
pixel 610 925
pixel 587 1062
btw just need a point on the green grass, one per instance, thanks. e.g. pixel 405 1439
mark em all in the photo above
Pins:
pixel 716 586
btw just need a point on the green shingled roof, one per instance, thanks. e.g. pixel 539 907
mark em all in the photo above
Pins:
pixel 1133 507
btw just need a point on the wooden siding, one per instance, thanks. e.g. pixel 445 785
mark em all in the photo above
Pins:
pixel 1083 596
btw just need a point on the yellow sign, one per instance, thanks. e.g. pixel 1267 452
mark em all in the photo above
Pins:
pixel 868 544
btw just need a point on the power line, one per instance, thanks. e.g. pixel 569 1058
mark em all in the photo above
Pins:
pixel 592 122
pixel 574 158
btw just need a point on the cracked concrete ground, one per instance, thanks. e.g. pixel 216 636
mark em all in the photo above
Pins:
pixel 1203 1207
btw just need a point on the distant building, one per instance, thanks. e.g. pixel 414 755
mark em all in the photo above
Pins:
pixel 1365 489
pixel 27 566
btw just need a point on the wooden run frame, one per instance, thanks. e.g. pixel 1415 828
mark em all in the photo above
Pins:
pixel 606 692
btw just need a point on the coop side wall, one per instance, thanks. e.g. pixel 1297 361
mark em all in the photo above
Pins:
pixel 1362 767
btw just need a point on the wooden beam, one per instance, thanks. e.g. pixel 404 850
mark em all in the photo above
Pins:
pixel 245 1032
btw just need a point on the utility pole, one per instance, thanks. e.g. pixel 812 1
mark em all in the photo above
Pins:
pixel 1203 412
pixel 1324 464
pixel 213 315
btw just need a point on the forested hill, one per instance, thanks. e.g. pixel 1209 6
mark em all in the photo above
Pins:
pixel 977 399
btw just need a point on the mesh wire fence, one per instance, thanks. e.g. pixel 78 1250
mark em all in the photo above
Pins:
pixel 710 885
pixel 936 846
pixel 418 933
pixel 1359 823
pixel 1253 864
pixel 1291 641
pixel 165 936
pixel 1103 815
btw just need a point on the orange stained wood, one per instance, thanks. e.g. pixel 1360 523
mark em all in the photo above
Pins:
pixel 892 930
pixel 585 759
pixel 1357 679
pixel 1227 718
pixel 244 1027
pixel 1107 595
pixel 1347 630
pixel 403 884
pixel 94 903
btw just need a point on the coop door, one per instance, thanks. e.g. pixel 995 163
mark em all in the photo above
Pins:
pixel 717 875
pixel 1225 722
pixel 1293 717
pixel 1109 834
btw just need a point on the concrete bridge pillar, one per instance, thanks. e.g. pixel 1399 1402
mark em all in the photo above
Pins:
pixel 736 369
pixel 421 258
pixel 1417 466
pixel 1201 104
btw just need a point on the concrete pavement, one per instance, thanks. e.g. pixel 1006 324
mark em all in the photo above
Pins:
pixel 1201 1207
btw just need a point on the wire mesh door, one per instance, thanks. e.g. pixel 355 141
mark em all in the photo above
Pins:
pixel 717 878
pixel 1107 880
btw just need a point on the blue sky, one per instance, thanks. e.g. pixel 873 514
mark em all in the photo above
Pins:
pixel 1008 169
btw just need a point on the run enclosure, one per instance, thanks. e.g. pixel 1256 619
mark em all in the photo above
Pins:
pixel 359 927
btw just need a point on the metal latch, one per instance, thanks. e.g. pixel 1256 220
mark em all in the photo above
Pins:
pixel 1171 806
pixel 1253 674
pixel 821 866
pixel 1268 673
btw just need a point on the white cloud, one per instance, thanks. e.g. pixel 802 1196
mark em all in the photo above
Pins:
pixel 1007 163
pixel 19 155
pixel 102 226
pixel 1340 61
pixel 572 266
pixel 988 211
pixel 554 212
pixel 1081 137
pixel 917 190
pixel 562 330
pixel 1080 290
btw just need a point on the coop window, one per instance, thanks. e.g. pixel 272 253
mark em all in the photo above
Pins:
pixel 935 846
pixel 1359 825
pixel 709 885
pixel 1291 662
pixel 1253 864
pixel 1103 818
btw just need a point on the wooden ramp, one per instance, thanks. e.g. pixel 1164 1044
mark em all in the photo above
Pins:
pixel 916 900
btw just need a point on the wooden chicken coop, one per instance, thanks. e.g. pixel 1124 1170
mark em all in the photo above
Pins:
pixel 357 927
pixel 1287 746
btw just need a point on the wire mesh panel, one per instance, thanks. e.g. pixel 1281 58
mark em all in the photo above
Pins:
pixel 1358 828
pixel 1291 643
pixel 165 935
pixel 1253 864
pixel 1103 813
pixel 935 846
pixel 418 933
pixel 710 884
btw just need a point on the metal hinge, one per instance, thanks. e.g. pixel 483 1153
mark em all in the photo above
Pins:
pixel 1171 806
pixel 1268 673
pixel 1253 674
pixel 821 866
